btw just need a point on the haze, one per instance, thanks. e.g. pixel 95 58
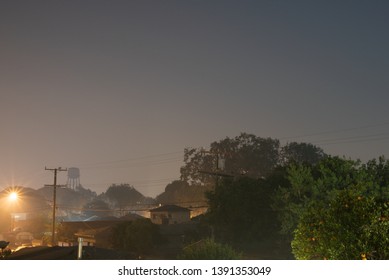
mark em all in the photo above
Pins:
pixel 120 88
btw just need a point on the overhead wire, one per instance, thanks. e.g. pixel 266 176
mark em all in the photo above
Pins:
pixel 150 159
pixel 335 131
pixel 169 158
pixel 368 133
pixel 176 157
pixel 353 139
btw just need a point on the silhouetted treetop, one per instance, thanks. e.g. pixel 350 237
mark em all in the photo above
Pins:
pixel 123 195
pixel 247 155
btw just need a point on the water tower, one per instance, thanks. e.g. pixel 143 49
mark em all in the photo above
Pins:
pixel 73 178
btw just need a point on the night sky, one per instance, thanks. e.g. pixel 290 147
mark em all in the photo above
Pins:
pixel 120 88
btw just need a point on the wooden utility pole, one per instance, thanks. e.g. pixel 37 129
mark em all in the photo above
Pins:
pixel 54 199
pixel 219 167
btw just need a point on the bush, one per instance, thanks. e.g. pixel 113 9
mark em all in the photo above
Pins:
pixel 139 236
pixel 352 226
pixel 209 250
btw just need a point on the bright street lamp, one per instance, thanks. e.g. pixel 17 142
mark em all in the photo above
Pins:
pixel 13 196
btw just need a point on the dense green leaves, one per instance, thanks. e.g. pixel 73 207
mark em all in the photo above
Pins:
pixel 337 209
pixel 310 183
pixel 350 226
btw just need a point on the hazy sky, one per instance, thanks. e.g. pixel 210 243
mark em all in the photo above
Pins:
pixel 120 88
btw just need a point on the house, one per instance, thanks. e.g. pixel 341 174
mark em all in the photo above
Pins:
pixel 95 232
pixel 169 214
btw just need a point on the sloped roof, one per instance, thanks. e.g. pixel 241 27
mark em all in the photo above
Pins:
pixel 170 208
pixel 98 224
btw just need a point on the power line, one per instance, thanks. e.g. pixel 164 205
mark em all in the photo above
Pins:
pixel 351 140
pixel 336 131
pixel 153 159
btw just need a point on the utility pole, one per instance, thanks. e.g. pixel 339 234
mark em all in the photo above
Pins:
pixel 219 167
pixel 54 199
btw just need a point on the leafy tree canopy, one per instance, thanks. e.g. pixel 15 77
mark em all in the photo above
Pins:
pixel 123 195
pixel 246 154
pixel 181 193
pixel 351 226
pixel 336 209
pixel 307 183
pixel 301 153
pixel 240 210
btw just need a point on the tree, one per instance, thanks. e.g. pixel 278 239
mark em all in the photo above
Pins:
pixel 301 153
pixel 140 236
pixel 180 192
pixel 4 253
pixel 174 192
pixel 351 226
pixel 307 183
pixel 208 249
pixel 240 210
pixel 245 154
pixel 123 195
pixel 336 209
pixel 97 207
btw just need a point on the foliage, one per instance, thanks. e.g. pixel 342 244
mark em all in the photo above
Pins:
pixel 240 210
pixel 4 254
pixel 378 171
pixel 351 226
pixel 96 207
pixel 123 195
pixel 301 153
pixel 85 192
pixel 66 196
pixel 209 250
pixel 246 154
pixel 307 183
pixel 336 209
pixel 140 236
pixel 180 192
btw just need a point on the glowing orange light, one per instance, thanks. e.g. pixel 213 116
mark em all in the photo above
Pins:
pixel 13 196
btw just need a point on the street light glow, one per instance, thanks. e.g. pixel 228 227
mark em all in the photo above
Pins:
pixel 13 196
